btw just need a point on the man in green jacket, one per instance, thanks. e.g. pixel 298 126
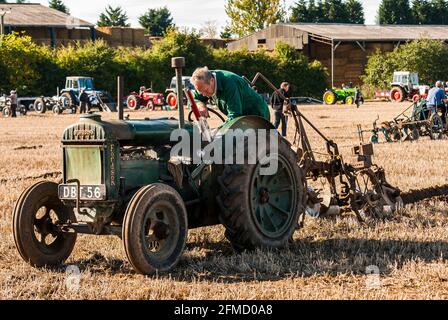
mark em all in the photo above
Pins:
pixel 230 92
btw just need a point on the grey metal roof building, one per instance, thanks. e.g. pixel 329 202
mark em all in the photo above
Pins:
pixel 45 25
pixel 343 48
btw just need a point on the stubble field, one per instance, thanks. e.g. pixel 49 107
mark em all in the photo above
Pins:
pixel 327 260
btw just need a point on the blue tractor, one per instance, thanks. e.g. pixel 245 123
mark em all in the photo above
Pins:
pixel 98 99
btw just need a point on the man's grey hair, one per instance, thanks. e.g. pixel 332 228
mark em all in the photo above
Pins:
pixel 439 84
pixel 201 74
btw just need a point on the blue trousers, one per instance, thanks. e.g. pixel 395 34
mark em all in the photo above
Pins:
pixel 280 117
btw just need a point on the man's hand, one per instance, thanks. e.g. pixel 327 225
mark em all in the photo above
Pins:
pixel 203 110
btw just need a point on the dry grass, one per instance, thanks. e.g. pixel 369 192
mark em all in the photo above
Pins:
pixel 326 261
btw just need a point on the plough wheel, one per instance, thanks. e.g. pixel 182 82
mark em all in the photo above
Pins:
pixel 396 134
pixel 415 134
pixel 436 127
pixel 368 199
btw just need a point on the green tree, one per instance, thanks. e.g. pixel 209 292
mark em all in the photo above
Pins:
pixel 248 16
pixel 113 17
pixel 58 5
pixel 395 12
pixel 26 66
pixel 415 56
pixel 226 33
pixel 329 11
pixel 300 12
pixel 439 12
pixel 355 12
pixel 156 21
pixel 422 12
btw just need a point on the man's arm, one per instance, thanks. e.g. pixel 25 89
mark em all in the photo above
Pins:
pixel 201 102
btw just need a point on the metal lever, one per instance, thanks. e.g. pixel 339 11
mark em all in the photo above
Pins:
pixel 78 196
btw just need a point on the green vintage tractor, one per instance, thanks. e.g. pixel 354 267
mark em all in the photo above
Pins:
pixel 348 96
pixel 120 178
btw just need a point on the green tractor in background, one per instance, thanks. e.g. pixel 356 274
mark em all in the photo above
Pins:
pixel 347 95
pixel 120 178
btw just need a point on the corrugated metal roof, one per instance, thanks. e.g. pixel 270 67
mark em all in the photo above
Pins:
pixel 37 15
pixel 356 32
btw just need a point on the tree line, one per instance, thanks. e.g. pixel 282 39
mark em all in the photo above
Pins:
pixel 35 70
pixel 247 17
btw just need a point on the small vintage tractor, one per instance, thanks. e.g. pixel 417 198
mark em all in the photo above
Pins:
pixel 126 178
pixel 171 98
pixel 57 104
pixel 5 107
pixel 98 99
pixel 405 86
pixel 146 98
pixel 120 178
pixel 412 123
pixel 345 95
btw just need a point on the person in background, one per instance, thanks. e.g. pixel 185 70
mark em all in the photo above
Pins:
pixel 13 98
pixel 277 104
pixel 437 100
pixel 83 101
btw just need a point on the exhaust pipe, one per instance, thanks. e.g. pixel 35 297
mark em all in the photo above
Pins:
pixel 178 63
pixel 120 85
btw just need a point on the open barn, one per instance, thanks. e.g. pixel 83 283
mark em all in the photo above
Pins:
pixel 342 48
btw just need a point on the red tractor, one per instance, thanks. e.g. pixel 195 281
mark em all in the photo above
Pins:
pixel 146 98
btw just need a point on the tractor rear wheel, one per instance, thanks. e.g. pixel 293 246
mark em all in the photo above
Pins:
pixel 329 98
pixel 397 94
pixel 40 105
pixel 67 100
pixel 262 211
pixel 436 128
pixel 37 236
pixel 155 229
pixel 171 99
pixel 133 102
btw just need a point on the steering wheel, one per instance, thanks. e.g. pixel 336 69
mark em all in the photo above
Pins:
pixel 190 115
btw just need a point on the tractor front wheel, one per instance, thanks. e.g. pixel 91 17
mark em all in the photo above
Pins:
pixel 155 229
pixel 329 98
pixel 262 211
pixel 6 112
pixel 350 100
pixel 397 94
pixel 40 106
pixel 35 226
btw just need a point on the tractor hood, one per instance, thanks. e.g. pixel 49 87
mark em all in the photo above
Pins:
pixel 92 129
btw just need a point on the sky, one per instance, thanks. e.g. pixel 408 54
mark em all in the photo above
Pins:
pixel 189 13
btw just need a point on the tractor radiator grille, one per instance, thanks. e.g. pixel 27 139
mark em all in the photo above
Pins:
pixel 84 132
